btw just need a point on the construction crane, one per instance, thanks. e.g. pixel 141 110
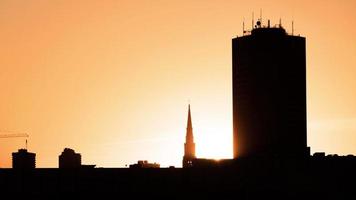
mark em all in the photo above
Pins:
pixel 13 135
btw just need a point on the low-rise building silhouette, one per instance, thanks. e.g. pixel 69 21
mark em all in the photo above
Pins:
pixel 87 166
pixel 144 164
pixel 70 159
pixel 23 159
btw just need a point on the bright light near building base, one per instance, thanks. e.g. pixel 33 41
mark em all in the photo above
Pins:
pixel 214 145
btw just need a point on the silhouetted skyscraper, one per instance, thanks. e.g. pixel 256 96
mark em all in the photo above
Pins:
pixel 23 159
pixel 189 145
pixel 269 94
pixel 70 159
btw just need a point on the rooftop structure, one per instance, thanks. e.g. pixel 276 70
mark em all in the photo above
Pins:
pixel 144 164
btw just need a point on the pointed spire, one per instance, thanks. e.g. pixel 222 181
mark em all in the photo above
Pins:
pixel 189 135
pixel 189 145
pixel 189 122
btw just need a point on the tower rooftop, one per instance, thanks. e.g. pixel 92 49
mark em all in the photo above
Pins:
pixel 261 29
pixel 269 31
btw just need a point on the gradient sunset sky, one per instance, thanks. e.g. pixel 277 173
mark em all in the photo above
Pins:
pixel 112 79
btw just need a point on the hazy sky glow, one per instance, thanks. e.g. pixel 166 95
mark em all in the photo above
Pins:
pixel 112 79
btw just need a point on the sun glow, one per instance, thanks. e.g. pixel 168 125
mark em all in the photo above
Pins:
pixel 213 143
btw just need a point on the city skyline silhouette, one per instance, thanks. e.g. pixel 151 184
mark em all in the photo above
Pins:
pixel 102 80
pixel 95 96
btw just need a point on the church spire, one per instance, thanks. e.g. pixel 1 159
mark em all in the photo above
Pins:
pixel 189 145
pixel 189 135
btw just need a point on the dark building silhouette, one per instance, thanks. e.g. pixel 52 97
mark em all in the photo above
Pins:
pixel 23 159
pixel 70 159
pixel 87 166
pixel 144 164
pixel 189 145
pixel 269 94
pixel 329 177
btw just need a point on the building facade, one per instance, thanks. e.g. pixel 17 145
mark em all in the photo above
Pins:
pixel 269 94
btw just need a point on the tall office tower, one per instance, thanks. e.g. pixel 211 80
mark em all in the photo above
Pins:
pixel 189 145
pixel 23 159
pixel 69 159
pixel 269 94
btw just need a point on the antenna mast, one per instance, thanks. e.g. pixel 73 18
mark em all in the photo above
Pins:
pixel 253 20
pixel 243 27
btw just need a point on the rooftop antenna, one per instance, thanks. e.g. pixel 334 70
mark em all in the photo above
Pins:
pixel 26 144
pixel 280 23
pixel 261 16
pixel 293 21
pixel 253 20
pixel 243 27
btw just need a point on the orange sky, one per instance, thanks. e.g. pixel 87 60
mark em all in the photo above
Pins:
pixel 112 79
